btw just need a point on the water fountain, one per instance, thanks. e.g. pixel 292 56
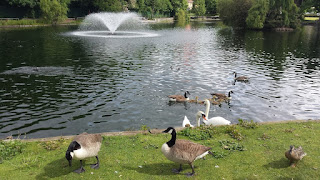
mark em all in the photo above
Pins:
pixel 113 25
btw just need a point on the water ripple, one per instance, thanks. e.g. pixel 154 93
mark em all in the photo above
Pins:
pixel 99 85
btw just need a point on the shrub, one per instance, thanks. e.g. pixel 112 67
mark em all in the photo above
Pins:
pixel 234 132
pixel 199 133
pixel 247 124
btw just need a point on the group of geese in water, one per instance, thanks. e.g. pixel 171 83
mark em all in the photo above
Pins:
pixel 217 99
pixel 179 151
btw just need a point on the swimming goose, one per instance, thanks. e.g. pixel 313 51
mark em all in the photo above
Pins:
pixel 84 146
pixel 240 78
pixel 179 98
pixel 214 120
pixel 183 151
pixel 186 122
pixel 222 96
pixel 295 155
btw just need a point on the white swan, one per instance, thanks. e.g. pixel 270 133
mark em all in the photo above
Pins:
pixel 186 122
pixel 214 120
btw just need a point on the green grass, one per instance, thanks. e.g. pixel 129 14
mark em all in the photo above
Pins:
pixel 258 155
pixel 311 18
pixel 34 22
pixel 19 22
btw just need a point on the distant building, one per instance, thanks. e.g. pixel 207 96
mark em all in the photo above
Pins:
pixel 190 4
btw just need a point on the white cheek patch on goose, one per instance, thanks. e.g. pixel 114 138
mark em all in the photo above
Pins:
pixel 170 131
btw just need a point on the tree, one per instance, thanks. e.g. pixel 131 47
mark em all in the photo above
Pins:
pixel 307 4
pixel 158 7
pixel 211 7
pixel 31 6
pixel 54 11
pixel 181 16
pixel 257 14
pixel 178 5
pixel 282 13
pixel 234 12
pixel 108 5
pixel 199 7
pixel 23 3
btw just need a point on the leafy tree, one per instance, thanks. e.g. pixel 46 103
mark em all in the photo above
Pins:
pixel 23 3
pixel 199 7
pixel 307 4
pixel 31 6
pixel 54 11
pixel 181 16
pixel 257 14
pixel 108 5
pixel 234 12
pixel 282 13
pixel 178 5
pixel 158 6
pixel 132 4
pixel 211 6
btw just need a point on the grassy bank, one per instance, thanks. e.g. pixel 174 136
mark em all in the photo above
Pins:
pixel 34 22
pixel 243 151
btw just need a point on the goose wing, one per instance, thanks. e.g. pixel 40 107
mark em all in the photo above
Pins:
pixel 88 140
pixel 187 150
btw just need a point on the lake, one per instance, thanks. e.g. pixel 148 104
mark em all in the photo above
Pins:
pixel 53 83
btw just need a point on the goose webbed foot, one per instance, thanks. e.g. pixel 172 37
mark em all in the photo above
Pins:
pixel 177 170
pixel 95 166
pixel 190 174
pixel 80 170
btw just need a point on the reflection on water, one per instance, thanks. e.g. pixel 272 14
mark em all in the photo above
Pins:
pixel 54 84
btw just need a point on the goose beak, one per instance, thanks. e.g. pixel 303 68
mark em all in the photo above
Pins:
pixel 70 162
pixel 204 117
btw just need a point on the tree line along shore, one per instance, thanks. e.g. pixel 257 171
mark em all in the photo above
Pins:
pixel 251 14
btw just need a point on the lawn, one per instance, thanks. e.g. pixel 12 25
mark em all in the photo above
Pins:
pixel 311 18
pixel 243 151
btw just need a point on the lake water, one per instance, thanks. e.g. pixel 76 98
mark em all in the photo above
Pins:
pixel 53 83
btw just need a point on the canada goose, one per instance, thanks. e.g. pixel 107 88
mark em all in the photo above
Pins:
pixel 295 155
pixel 183 151
pixel 240 78
pixel 214 120
pixel 186 122
pixel 215 102
pixel 222 96
pixel 179 98
pixel 84 146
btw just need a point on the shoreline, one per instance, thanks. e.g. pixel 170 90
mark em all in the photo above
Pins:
pixel 153 131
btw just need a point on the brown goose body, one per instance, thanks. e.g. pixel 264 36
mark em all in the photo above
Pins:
pixel 294 155
pixel 84 146
pixel 183 151
pixel 221 96
pixel 240 78
pixel 179 98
